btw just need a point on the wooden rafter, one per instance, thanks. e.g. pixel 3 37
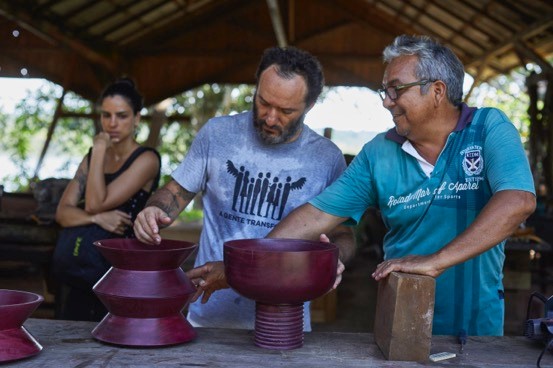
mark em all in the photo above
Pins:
pixel 138 15
pixel 530 54
pixel 505 45
pixel 194 39
pixel 490 15
pixel 50 32
pixel 469 22
pixel 278 26
pixel 455 32
pixel 292 21
pixel 373 17
pixel 185 21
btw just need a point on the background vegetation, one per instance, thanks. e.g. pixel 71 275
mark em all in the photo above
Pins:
pixel 24 131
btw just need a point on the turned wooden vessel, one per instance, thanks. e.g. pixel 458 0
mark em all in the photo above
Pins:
pixel 280 275
pixel 144 291
pixel 15 341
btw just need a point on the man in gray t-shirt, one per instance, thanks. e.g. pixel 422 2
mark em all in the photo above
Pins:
pixel 252 170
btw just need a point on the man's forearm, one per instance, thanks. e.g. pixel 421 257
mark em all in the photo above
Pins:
pixel 497 221
pixel 344 238
pixel 172 199
pixel 305 222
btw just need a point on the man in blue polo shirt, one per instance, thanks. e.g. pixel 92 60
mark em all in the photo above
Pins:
pixel 452 183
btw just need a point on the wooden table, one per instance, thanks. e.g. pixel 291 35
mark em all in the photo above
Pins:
pixel 70 344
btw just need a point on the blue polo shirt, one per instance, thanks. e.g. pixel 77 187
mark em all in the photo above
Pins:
pixel 482 156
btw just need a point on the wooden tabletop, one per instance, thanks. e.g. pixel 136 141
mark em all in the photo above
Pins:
pixel 70 344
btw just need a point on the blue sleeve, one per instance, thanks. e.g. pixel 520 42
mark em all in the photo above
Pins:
pixel 506 161
pixel 191 173
pixel 352 193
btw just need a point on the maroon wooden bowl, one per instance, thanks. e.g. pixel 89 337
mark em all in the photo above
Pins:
pixel 280 275
pixel 132 254
pixel 144 291
pixel 15 341
pixel 280 271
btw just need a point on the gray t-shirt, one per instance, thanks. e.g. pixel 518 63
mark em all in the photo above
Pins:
pixel 247 186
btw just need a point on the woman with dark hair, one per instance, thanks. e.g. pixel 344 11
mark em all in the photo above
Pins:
pixel 110 187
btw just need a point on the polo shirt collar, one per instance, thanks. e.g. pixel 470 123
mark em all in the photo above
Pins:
pixel 464 119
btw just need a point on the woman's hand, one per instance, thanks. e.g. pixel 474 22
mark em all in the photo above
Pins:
pixel 102 138
pixel 113 221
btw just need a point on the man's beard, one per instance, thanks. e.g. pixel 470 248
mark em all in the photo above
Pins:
pixel 284 134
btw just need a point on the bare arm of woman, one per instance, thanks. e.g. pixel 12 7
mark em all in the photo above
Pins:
pixel 140 174
pixel 69 214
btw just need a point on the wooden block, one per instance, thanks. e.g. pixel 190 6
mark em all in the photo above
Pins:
pixel 404 315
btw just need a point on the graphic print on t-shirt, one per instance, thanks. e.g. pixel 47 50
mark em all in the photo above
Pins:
pixel 263 194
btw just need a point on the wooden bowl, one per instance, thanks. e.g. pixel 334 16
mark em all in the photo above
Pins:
pixel 280 271
pixel 280 275
pixel 15 341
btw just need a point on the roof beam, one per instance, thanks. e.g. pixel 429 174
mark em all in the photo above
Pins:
pixel 320 32
pixel 487 12
pixel 528 32
pixel 185 21
pixel 333 68
pixel 137 15
pixel 530 54
pixel 470 22
pixel 276 19
pixel 292 20
pixel 370 15
pixel 424 12
pixel 53 35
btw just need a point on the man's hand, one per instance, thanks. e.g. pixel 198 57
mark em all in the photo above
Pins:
pixel 340 269
pixel 208 278
pixel 148 222
pixel 420 265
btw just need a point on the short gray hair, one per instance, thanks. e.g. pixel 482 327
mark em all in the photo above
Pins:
pixel 436 62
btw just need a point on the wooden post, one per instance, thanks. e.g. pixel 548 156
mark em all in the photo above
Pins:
pixel 159 118
pixel 51 129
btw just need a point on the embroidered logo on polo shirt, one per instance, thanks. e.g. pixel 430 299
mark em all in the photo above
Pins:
pixel 473 162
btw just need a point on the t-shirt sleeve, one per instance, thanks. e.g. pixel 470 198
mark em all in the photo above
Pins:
pixel 191 173
pixel 339 167
pixel 351 194
pixel 505 159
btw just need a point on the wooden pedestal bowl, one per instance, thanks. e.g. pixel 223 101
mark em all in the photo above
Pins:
pixel 144 291
pixel 15 341
pixel 280 275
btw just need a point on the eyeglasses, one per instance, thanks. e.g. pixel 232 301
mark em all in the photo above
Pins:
pixel 392 91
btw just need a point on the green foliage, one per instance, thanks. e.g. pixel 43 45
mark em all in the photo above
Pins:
pixel 25 132
pixel 191 215
pixel 200 104
pixel 507 93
